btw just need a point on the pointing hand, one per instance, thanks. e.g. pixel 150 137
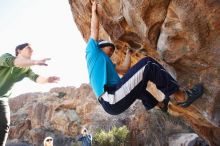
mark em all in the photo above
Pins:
pixel 41 62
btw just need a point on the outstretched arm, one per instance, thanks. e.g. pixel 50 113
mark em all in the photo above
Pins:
pixel 51 79
pixel 24 62
pixel 94 22
pixel 126 64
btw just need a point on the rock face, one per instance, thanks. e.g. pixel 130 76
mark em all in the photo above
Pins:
pixel 186 139
pixel 184 35
pixel 62 112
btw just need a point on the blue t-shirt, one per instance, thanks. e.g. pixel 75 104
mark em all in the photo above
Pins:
pixel 100 68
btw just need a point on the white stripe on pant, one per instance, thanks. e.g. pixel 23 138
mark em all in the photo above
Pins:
pixel 125 89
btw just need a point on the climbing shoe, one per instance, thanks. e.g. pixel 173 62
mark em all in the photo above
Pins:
pixel 192 95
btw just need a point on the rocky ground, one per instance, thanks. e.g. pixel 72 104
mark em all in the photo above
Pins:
pixel 61 113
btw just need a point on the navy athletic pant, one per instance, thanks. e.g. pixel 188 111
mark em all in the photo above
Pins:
pixel 4 120
pixel 132 86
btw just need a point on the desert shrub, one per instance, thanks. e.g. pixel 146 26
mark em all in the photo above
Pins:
pixel 114 137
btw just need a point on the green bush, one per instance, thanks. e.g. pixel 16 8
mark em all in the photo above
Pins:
pixel 115 137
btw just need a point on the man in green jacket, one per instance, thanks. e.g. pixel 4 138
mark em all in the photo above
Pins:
pixel 12 70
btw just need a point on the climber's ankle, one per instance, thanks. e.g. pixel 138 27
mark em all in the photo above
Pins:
pixel 178 96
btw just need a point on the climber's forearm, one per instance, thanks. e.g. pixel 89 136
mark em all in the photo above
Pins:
pixel 127 61
pixel 122 69
pixel 94 22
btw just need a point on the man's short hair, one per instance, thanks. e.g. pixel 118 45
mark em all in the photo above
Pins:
pixel 20 47
pixel 104 43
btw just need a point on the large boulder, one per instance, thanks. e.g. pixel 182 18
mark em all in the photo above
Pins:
pixel 184 35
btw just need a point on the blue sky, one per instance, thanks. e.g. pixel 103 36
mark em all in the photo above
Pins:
pixel 49 27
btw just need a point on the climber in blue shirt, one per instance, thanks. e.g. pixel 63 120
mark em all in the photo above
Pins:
pixel 116 94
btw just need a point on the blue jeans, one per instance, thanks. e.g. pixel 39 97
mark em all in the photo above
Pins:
pixel 4 120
